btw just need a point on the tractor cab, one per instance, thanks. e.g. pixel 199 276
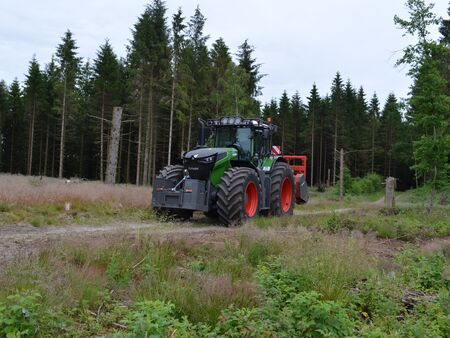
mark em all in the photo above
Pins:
pixel 252 138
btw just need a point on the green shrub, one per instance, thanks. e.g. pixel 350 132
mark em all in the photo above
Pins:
pixel 257 253
pixel 244 323
pixel 338 222
pixel 306 315
pixel 425 272
pixel 25 315
pixel 279 283
pixel 19 318
pixel 118 269
pixel 155 319
pixel 366 185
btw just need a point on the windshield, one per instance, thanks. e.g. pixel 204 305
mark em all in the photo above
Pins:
pixel 240 137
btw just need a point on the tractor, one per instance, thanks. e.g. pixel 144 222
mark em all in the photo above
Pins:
pixel 234 173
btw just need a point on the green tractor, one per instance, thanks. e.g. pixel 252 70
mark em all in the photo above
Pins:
pixel 234 173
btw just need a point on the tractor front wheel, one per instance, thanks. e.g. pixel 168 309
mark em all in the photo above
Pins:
pixel 238 198
pixel 282 191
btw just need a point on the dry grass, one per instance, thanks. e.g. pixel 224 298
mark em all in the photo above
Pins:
pixel 34 190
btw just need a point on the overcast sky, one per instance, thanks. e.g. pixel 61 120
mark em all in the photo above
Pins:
pixel 298 42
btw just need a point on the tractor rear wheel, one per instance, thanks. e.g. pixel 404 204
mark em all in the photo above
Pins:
pixel 238 198
pixel 174 174
pixel 282 190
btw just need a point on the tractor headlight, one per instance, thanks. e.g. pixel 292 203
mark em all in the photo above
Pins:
pixel 209 159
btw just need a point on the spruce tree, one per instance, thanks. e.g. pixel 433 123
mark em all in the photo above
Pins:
pixel 220 65
pixel 15 134
pixel 247 61
pixel 178 42
pixel 284 116
pixel 68 64
pixel 313 107
pixel 337 91
pixel 374 116
pixel 3 114
pixel 106 86
pixel 33 102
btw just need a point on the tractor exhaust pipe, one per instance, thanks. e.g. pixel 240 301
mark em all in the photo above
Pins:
pixel 201 133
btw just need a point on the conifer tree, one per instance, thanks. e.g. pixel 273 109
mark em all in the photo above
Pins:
pixel 220 65
pixel 374 116
pixel 33 99
pixel 14 133
pixel 178 41
pixel 313 107
pixel 284 116
pixel 337 91
pixel 106 86
pixel 68 64
pixel 3 114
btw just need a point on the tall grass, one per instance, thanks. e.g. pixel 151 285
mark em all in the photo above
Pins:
pixel 33 190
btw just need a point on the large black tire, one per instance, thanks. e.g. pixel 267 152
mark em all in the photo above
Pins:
pixel 173 173
pixel 280 206
pixel 236 196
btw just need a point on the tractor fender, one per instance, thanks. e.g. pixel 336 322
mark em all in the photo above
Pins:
pixel 301 189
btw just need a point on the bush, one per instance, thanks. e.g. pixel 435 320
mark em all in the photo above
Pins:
pixel 155 319
pixel 306 315
pixel 24 315
pixel 425 272
pixel 367 185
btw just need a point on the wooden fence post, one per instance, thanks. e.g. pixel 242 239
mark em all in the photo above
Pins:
pixel 390 188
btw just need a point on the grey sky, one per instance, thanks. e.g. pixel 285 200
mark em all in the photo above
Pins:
pixel 298 42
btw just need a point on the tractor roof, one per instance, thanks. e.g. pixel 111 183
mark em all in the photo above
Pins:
pixel 239 121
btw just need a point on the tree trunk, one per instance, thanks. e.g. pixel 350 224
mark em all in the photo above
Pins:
pixel 11 156
pixel 128 155
pixel 312 149
pixel 113 146
pixel 320 153
pixel 63 126
pixel 373 145
pixel 172 107
pixel 80 168
pixel 148 133
pixel 102 131
pixel 31 139
pixel 189 126
pixel 335 149
pixel 47 136
pixel 119 164
pixel 40 153
pixel 138 161
pixel 53 154
pixel 182 138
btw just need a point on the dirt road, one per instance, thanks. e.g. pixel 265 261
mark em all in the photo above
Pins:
pixel 25 240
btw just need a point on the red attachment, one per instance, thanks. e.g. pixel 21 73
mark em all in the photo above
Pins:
pixel 297 163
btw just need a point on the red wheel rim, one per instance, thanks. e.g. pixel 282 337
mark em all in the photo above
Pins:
pixel 251 199
pixel 286 194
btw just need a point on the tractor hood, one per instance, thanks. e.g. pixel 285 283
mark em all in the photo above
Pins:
pixel 201 162
pixel 203 154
